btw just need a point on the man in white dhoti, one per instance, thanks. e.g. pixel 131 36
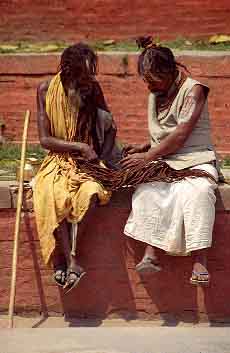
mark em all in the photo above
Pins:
pixel 176 217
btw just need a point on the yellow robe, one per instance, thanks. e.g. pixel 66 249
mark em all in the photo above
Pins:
pixel 61 190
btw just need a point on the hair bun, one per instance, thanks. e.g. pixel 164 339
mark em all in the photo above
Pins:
pixel 144 41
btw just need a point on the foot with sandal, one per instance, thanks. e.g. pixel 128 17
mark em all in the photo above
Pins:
pixel 59 275
pixel 59 264
pixel 68 278
pixel 67 272
pixel 200 274
pixel 149 263
pixel 74 274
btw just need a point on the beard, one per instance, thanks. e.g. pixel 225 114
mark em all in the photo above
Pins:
pixel 74 99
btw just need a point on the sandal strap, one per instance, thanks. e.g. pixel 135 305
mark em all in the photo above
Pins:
pixel 78 274
pixel 60 268
pixel 151 260
pixel 200 273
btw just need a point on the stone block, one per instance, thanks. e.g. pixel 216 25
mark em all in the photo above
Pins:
pixel 5 196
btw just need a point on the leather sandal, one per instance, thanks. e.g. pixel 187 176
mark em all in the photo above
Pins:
pixel 148 265
pixel 72 279
pixel 196 281
pixel 59 276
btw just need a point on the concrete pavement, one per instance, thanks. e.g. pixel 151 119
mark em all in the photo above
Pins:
pixel 115 337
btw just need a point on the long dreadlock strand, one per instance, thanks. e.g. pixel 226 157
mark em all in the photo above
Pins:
pixel 157 170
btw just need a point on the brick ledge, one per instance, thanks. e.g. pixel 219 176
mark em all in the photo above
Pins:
pixel 120 199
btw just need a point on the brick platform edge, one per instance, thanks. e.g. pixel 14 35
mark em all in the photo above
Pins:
pixel 112 288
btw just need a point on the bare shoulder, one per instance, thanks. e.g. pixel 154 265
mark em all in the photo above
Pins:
pixel 199 91
pixel 41 95
pixel 43 88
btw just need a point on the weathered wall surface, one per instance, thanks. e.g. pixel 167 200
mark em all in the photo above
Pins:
pixel 126 94
pixel 70 20
pixel 112 288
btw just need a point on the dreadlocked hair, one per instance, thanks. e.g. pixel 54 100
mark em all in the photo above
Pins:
pixel 77 61
pixel 153 171
pixel 156 59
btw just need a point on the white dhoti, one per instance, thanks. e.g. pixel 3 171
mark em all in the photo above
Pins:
pixel 176 217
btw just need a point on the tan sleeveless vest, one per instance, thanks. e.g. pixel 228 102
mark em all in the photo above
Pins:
pixel 198 148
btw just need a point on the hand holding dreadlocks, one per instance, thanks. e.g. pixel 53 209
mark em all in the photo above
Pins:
pixel 134 148
pixel 86 152
pixel 135 159
pixel 135 154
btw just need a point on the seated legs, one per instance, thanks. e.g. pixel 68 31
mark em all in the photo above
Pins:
pixel 68 272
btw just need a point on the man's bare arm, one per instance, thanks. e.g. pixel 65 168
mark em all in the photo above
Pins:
pixel 189 116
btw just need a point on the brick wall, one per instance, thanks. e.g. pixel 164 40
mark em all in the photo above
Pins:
pixel 126 94
pixel 44 20
pixel 112 288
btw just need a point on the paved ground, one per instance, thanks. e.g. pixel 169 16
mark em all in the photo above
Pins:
pixel 111 337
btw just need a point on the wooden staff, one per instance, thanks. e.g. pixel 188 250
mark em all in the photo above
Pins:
pixel 17 222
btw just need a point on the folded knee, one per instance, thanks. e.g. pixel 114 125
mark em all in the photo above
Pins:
pixel 93 201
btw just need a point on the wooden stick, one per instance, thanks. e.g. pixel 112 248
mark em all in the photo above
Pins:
pixel 18 219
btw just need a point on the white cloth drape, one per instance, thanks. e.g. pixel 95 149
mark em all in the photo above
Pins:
pixel 176 217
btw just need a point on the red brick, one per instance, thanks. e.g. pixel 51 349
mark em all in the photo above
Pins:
pixel 71 21
pixel 126 96
pixel 109 259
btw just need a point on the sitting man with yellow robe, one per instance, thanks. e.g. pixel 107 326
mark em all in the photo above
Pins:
pixel 73 123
